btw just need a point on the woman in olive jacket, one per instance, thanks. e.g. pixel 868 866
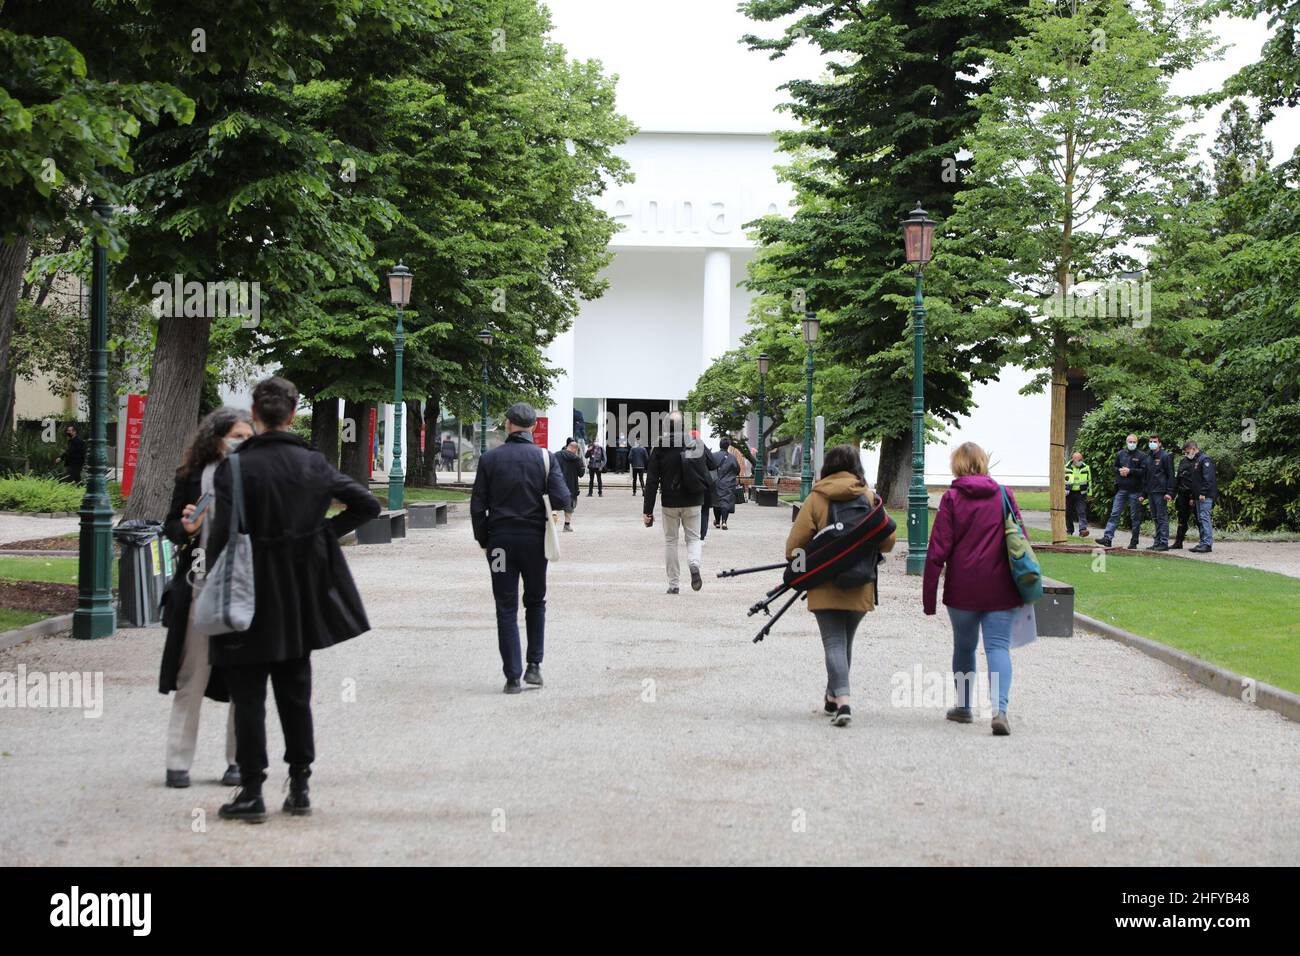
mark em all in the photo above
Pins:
pixel 185 666
pixel 838 610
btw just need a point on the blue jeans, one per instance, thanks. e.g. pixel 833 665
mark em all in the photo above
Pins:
pixel 966 627
pixel 1203 509
pixel 1160 515
pixel 509 558
pixel 1122 499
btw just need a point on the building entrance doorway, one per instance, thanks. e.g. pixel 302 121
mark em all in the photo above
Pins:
pixel 633 420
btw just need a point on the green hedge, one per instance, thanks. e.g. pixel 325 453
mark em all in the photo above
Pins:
pixel 33 494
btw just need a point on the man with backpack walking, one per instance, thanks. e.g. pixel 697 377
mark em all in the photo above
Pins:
pixel 678 473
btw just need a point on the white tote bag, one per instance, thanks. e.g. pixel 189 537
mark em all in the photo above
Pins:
pixel 1024 629
pixel 552 543
pixel 227 601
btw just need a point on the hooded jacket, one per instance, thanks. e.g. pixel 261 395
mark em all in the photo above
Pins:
pixel 968 540
pixel 812 517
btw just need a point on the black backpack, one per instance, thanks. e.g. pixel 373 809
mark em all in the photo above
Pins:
pixel 845 552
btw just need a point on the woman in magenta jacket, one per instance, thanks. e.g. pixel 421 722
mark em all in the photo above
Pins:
pixel 969 540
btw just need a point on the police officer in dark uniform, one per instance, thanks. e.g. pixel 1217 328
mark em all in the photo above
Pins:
pixel 1203 489
pixel 1182 500
pixel 1130 479
pixel 1159 490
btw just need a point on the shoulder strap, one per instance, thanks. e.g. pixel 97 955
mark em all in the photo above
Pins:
pixel 237 519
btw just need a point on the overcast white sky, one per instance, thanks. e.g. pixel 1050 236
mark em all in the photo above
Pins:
pixel 681 65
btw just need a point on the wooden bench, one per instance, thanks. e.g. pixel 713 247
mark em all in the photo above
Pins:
pixel 383 528
pixel 427 514
pixel 1054 611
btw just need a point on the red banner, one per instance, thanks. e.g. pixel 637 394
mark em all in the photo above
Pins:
pixel 541 433
pixel 131 450
pixel 370 446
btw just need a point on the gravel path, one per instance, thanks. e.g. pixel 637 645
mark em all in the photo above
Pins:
pixel 23 528
pixel 663 736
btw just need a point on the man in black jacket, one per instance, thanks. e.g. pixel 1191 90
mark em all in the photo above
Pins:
pixel 679 472
pixel 1130 479
pixel 74 456
pixel 639 459
pixel 1159 490
pixel 1203 489
pixel 1182 500
pixel 305 598
pixel 509 519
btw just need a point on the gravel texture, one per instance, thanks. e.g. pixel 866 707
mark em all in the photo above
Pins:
pixel 663 735
pixel 23 527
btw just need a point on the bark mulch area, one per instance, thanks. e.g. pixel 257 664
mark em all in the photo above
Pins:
pixel 38 596
pixel 64 543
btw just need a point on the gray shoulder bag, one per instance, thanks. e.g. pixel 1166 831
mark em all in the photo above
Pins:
pixel 226 603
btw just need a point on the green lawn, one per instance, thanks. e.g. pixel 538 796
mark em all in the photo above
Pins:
pixel 56 570
pixel 1033 500
pixel 12 620
pixel 431 494
pixel 1239 618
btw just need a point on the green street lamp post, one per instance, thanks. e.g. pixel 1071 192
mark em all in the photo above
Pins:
pixel 918 242
pixel 485 337
pixel 811 325
pixel 399 293
pixel 95 615
pixel 759 470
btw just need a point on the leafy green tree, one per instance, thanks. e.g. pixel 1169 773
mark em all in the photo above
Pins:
pixel 1077 156
pixel 882 131
pixel 64 127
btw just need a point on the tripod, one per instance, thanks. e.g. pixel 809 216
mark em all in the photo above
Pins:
pixel 765 605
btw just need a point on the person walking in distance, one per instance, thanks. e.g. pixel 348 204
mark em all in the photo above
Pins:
pixel 305 599
pixel 596 462
pixel 838 610
pixel 678 472
pixel 1078 488
pixel 724 486
pixel 638 459
pixel 569 459
pixel 968 546
pixel 185 665
pixel 509 516
pixel 1203 490
pixel 448 451
pixel 74 456
pixel 1130 479
pixel 1159 490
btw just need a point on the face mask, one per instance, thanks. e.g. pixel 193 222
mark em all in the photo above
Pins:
pixel 1155 445
pixel 1132 446
pixel 232 444
pixel 1191 455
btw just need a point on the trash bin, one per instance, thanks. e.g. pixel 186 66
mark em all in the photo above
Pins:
pixel 143 570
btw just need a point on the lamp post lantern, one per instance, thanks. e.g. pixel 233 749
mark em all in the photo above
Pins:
pixel 764 360
pixel 485 336
pixel 95 615
pixel 918 243
pixel 399 294
pixel 811 326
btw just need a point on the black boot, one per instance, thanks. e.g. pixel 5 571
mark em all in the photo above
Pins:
pixel 297 802
pixel 247 804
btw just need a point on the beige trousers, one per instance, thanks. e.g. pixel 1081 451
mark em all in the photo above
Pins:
pixel 688 519
pixel 191 681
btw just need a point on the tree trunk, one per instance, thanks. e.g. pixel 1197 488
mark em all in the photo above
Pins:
pixel 894 471
pixel 175 389
pixel 325 428
pixel 432 439
pixel 1056 465
pixel 412 423
pixel 13 262
pixel 354 460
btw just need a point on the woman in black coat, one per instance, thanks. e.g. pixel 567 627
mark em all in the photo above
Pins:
pixel 185 665
pixel 571 467
pixel 724 489
pixel 304 600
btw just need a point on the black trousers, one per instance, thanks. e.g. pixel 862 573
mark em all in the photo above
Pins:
pixel 509 558
pixel 1076 509
pixel 638 473
pixel 720 515
pixel 1183 506
pixel 291 682
pixel 594 476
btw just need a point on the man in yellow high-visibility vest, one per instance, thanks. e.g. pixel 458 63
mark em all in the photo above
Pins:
pixel 1078 487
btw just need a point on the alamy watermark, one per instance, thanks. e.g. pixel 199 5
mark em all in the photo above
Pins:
pixel 1127 297
pixel 63 689
pixel 208 300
